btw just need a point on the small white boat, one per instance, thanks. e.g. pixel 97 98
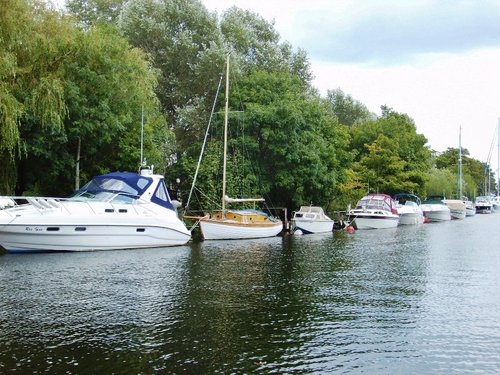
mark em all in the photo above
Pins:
pixel 435 210
pixel 119 210
pixel 374 211
pixel 495 202
pixel 311 219
pixel 483 205
pixel 470 207
pixel 457 208
pixel 409 210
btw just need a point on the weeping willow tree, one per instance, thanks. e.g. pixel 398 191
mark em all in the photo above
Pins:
pixel 29 84
pixel 63 87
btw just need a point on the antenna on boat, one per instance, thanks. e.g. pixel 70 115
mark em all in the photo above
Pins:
pixel 142 136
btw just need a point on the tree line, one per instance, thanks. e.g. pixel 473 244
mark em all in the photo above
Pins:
pixel 78 85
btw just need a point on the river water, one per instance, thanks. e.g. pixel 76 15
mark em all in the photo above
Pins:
pixel 409 300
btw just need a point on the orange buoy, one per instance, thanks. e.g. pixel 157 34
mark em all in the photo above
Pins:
pixel 349 229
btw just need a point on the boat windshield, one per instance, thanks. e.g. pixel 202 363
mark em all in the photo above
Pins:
pixel 374 203
pixel 119 185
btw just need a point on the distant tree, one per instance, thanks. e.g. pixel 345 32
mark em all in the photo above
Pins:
pixel 441 182
pixel 348 110
pixel 92 12
pixel 257 44
pixel 186 46
pixel 401 146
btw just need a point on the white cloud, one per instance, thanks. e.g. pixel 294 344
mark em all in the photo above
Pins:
pixel 436 60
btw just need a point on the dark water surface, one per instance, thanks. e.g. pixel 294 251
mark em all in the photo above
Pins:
pixel 409 300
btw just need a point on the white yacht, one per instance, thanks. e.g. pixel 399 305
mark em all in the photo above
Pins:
pixel 435 210
pixel 409 210
pixel 119 210
pixel 374 211
pixel 311 219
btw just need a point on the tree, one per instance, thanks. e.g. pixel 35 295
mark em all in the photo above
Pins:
pixel 348 110
pixel 63 85
pixel 257 44
pixel 186 46
pixel 402 145
pixel 441 182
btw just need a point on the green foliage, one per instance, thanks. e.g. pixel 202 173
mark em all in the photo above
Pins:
pixel 348 110
pixel 441 182
pixel 391 156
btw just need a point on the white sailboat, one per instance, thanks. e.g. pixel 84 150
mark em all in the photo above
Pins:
pixel 470 208
pixel 226 224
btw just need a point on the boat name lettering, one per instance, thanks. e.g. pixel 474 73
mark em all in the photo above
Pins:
pixel 33 229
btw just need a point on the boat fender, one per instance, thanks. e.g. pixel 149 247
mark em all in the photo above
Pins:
pixel 349 229
pixel 298 232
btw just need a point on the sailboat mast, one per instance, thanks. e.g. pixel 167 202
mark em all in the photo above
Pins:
pixel 460 163
pixel 226 110
pixel 498 158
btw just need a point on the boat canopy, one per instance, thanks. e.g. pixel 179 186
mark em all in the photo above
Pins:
pixel 117 182
pixel 127 185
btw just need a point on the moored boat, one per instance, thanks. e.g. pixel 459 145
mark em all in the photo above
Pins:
pixel 435 210
pixel 119 210
pixel 470 207
pixel 457 208
pixel 311 219
pixel 374 211
pixel 409 210
pixel 226 224
pixel 483 205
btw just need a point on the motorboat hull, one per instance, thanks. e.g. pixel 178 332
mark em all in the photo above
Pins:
pixel 411 218
pixel 372 221
pixel 56 238
pixel 436 213
pixel 213 229
pixel 312 226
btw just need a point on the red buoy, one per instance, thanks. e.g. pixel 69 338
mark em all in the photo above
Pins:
pixel 349 229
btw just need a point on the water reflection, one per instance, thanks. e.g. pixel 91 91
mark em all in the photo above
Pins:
pixel 405 300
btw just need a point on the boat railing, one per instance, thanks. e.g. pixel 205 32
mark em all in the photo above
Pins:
pixel 46 204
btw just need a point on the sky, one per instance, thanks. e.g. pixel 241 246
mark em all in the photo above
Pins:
pixel 438 61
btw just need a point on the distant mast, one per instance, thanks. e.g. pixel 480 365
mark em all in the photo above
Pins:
pixel 498 158
pixel 460 163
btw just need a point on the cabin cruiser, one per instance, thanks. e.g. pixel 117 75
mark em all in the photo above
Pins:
pixel 409 210
pixel 483 205
pixel 470 207
pixel 311 219
pixel 435 210
pixel 457 207
pixel 374 211
pixel 119 210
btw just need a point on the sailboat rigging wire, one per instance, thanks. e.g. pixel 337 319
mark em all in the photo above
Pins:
pixel 204 144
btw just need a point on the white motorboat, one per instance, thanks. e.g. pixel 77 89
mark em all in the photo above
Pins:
pixel 409 210
pixel 457 208
pixel 311 219
pixel 470 207
pixel 374 211
pixel 119 210
pixel 495 202
pixel 435 210
pixel 483 205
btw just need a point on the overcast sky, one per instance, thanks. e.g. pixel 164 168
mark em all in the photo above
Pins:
pixel 436 60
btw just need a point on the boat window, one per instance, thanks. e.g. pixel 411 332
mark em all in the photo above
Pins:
pixel 52 229
pixel 80 229
pixel 141 230
pixel 161 196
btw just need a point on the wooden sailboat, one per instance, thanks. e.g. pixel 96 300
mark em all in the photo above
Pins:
pixel 227 224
